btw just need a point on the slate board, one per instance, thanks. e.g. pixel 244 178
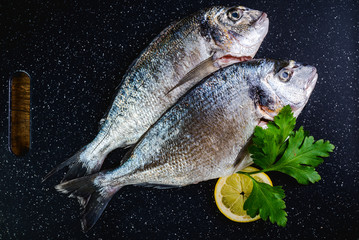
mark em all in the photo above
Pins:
pixel 76 53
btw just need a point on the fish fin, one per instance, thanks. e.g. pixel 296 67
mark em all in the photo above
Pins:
pixel 79 187
pixel 76 168
pixel 243 158
pixel 71 161
pixel 201 71
pixel 93 198
pixel 158 186
pixel 94 209
pixel 101 123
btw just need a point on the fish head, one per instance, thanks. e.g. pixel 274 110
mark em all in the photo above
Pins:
pixel 286 83
pixel 235 32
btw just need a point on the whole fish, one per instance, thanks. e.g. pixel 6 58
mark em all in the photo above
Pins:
pixel 182 55
pixel 202 136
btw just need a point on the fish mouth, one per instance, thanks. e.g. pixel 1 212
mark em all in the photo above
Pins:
pixel 312 80
pixel 262 23
pixel 309 87
pixel 261 20
pixel 260 27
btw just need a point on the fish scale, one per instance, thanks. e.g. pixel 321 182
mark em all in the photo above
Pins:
pixel 174 62
pixel 205 135
pixel 199 115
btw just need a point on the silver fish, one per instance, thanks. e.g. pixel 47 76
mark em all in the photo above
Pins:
pixel 202 136
pixel 182 55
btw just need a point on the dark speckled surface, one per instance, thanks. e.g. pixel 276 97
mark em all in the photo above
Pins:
pixel 76 53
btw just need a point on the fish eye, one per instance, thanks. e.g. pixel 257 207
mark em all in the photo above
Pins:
pixel 235 14
pixel 285 75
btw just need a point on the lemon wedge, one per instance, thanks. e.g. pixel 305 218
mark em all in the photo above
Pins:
pixel 232 191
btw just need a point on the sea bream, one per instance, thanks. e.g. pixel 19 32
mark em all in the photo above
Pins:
pixel 204 134
pixel 182 55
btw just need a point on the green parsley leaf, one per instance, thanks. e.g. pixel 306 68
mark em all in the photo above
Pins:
pixel 301 156
pixel 269 143
pixel 283 124
pixel 296 157
pixel 267 201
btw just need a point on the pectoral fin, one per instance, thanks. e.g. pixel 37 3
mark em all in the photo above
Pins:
pixel 243 159
pixel 207 67
pixel 201 71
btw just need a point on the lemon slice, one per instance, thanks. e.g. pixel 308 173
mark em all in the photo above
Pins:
pixel 232 191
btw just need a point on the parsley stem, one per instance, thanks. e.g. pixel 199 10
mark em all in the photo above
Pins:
pixel 252 178
pixel 250 173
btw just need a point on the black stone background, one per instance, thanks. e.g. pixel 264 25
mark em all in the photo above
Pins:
pixel 76 53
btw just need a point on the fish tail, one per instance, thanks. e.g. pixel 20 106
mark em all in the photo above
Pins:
pixel 77 167
pixel 92 197
pixel 71 161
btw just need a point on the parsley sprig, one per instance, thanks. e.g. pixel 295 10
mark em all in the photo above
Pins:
pixel 280 148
